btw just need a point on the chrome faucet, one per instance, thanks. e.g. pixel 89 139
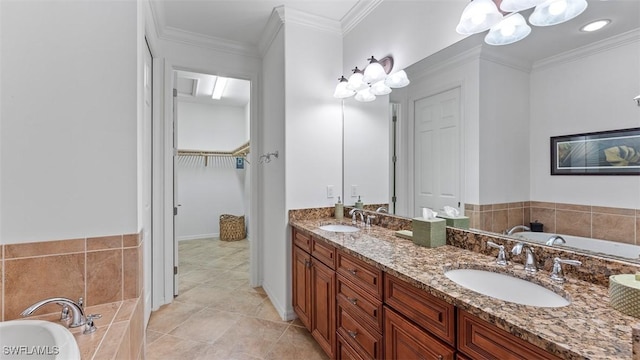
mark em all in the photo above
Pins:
pixel 502 257
pixel 353 214
pixel 530 264
pixel 382 209
pixel 555 239
pixel 77 312
pixel 557 274
pixel 517 227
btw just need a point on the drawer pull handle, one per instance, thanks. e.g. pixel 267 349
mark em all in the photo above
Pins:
pixel 353 271
pixel 307 263
pixel 440 357
pixel 353 334
pixel 352 300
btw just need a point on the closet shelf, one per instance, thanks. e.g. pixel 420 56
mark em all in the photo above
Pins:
pixel 240 151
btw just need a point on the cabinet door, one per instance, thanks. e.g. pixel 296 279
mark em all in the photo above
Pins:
pixel 323 306
pixel 301 283
pixel 481 340
pixel 405 340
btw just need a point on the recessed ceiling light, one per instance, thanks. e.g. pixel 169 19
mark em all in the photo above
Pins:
pixel 595 25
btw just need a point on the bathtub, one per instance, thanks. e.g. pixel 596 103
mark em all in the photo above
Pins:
pixel 600 246
pixel 37 340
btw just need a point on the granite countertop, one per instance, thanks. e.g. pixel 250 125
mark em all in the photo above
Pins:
pixel 588 328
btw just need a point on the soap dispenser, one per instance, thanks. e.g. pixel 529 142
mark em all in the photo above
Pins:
pixel 339 213
pixel 359 204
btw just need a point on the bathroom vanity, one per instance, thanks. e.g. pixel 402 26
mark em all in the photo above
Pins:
pixel 372 295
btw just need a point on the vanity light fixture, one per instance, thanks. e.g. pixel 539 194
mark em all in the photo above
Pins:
pixel 505 22
pixel 375 80
pixel 595 25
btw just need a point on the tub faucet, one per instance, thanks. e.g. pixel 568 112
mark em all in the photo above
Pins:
pixel 382 209
pixel 517 227
pixel 77 312
pixel 530 264
pixel 555 239
pixel 353 214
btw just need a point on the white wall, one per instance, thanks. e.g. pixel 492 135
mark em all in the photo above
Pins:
pixel 273 217
pixel 407 30
pixel 68 119
pixel 366 165
pixel 578 94
pixel 503 134
pixel 206 192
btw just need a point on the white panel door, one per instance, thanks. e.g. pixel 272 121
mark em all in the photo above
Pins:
pixel 147 153
pixel 437 151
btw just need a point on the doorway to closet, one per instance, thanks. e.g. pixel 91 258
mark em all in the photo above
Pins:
pixel 211 182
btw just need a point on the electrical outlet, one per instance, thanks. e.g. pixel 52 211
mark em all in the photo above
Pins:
pixel 354 190
pixel 329 191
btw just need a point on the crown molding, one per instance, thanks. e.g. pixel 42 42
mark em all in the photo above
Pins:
pixel 613 42
pixel 315 22
pixel 357 13
pixel 494 55
pixel 426 67
pixel 212 43
pixel 271 29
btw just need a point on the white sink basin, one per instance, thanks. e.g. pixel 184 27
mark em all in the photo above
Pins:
pixel 339 228
pixel 507 288
pixel 37 339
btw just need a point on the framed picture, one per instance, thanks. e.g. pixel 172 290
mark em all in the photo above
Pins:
pixel 614 152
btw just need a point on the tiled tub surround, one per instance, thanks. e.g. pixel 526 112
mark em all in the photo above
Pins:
pixel 119 334
pixel 588 328
pixel 598 222
pixel 105 271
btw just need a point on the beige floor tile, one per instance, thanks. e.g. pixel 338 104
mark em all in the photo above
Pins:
pixel 296 343
pixel 218 315
pixel 171 347
pixel 168 317
pixel 250 336
pixel 205 326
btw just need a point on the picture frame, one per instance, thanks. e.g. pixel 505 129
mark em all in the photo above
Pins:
pixel 615 152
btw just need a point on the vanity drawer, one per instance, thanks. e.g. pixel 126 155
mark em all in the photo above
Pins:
pixel 479 339
pixel 323 252
pixel 368 308
pixel 302 240
pixel 360 274
pixel 435 315
pixel 345 351
pixel 366 342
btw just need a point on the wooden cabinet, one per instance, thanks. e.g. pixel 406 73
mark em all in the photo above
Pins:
pixel 323 306
pixel 405 340
pixel 301 283
pixel 355 311
pixel 314 288
pixel 433 314
pixel 479 339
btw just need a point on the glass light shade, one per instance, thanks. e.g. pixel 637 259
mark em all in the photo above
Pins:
pixel 342 92
pixel 511 29
pixel 554 12
pixel 519 5
pixel 374 72
pixel 478 16
pixel 397 79
pixel 355 82
pixel 380 88
pixel 365 95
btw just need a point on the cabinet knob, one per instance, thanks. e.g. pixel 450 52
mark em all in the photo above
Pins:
pixel 352 300
pixel 353 334
pixel 440 357
pixel 353 271
pixel 307 263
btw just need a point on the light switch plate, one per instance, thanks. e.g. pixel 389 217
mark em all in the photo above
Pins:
pixel 330 191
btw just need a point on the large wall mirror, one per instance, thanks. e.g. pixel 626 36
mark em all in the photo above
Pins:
pixel 474 128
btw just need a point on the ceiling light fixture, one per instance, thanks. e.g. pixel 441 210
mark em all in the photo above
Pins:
pixel 375 80
pixel 218 88
pixel 595 25
pixel 507 25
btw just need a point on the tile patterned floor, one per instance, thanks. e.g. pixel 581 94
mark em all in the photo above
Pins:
pixel 219 316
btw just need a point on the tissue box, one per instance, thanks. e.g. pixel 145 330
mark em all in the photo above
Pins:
pixel 429 232
pixel 460 222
